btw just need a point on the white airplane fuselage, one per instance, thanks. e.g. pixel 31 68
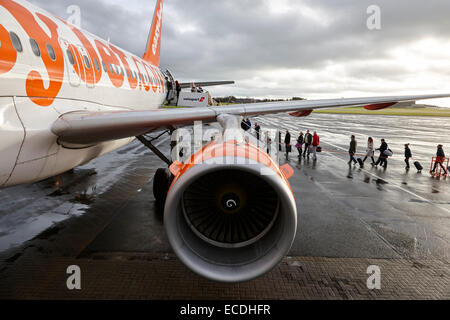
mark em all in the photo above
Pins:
pixel 61 69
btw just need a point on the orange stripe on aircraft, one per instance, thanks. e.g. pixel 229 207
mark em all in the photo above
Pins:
pixel 110 58
pixel 123 57
pixel 7 53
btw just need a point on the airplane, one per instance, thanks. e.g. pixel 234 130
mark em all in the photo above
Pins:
pixel 68 97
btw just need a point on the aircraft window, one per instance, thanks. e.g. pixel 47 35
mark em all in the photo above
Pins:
pixel 51 52
pixel 16 42
pixel 35 47
pixel 70 56
pixel 104 66
pixel 116 69
pixel 121 70
pixel 97 66
pixel 128 73
pixel 110 68
pixel 86 61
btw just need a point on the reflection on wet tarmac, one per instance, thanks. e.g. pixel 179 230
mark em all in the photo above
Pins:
pixel 342 212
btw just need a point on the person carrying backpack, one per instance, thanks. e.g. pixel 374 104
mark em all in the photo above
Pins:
pixel 307 141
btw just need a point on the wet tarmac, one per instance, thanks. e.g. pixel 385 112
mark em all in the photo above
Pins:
pixel 343 212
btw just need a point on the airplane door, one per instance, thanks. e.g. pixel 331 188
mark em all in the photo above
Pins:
pixel 71 63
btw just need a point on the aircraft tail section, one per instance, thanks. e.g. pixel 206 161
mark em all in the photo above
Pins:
pixel 153 48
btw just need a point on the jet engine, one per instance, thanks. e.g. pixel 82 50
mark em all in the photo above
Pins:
pixel 230 214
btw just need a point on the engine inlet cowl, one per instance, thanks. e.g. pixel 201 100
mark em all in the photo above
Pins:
pixel 230 223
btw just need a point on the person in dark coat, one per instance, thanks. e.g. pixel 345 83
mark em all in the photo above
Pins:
pixel 440 157
pixel 352 150
pixel 382 158
pixel 408 155
pixel 178 89
pixel 257 129
pixel 279 140
pixel 246 124
pixel 287 143
pixel 299 144
pixel 307 141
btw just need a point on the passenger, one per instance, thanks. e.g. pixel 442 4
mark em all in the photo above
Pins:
pixel 299 144
pixel 257 129
pixel 315 144
pixel 200 89
pixel 370 152
pixel 193 89
pixel 178 88
pixel 269 143
pixel 279 140
pixel 440 157
pixel 287 143
pixel 408 155
pixel 248 123
pixel 244 125
pixel 307 141
pixel 352 151
pixel 382 160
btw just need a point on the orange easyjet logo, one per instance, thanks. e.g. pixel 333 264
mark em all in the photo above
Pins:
pixel 157 30
pixel 101 58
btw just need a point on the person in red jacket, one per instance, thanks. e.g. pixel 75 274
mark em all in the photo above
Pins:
pixel 315 144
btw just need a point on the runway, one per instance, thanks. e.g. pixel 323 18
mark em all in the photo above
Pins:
pixel 105 210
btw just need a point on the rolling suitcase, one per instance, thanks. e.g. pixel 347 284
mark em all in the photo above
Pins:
pixel 418 166
pixel 361 163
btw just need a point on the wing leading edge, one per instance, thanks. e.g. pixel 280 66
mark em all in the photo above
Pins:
pixel 87 128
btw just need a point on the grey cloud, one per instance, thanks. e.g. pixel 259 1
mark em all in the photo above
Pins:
pixel 238 40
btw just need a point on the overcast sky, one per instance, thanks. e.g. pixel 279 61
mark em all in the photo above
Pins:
pixel 286 48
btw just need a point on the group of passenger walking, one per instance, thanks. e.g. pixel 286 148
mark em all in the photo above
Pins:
pixel 385 153
pixel 308 143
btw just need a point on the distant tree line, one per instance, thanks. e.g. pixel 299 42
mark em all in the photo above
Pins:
pixel 233 99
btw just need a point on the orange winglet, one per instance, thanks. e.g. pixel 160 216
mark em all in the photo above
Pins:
pixel 299 114
pixel 379 106
pixel 287 171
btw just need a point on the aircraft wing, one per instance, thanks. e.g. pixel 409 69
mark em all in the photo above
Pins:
pixel 94 127
pixel 185 85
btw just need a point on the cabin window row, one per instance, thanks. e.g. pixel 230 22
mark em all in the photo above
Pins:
pixel 17 45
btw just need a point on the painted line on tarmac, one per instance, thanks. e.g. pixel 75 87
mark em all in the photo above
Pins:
pixel 390 182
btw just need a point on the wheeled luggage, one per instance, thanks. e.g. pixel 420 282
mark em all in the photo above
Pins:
pixel 418 166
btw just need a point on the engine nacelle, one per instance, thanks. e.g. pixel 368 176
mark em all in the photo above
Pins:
pixel 230 214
